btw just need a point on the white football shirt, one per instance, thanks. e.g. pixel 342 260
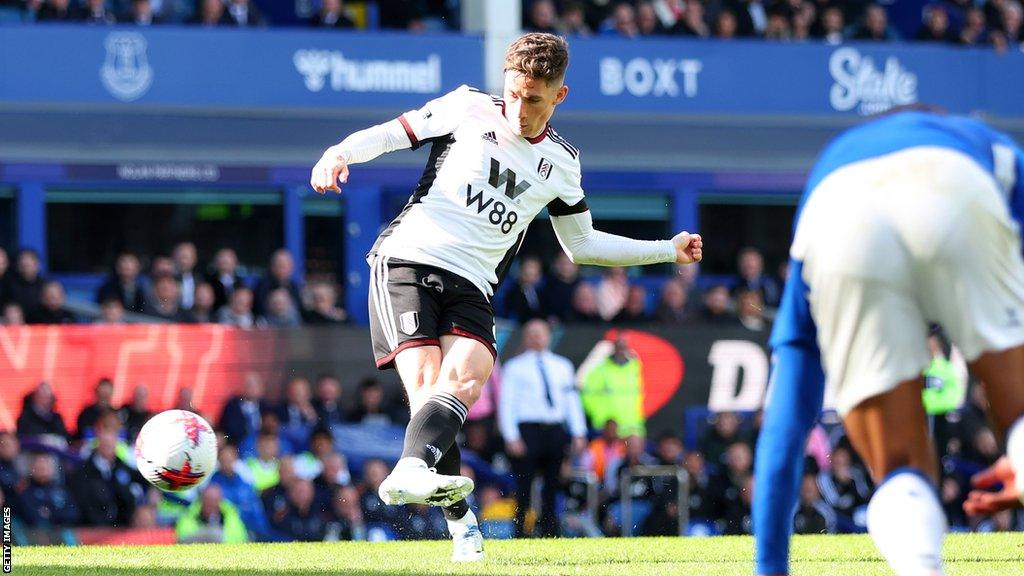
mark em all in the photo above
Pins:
pixel 481 188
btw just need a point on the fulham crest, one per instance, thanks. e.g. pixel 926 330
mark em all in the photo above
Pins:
pixel 544 168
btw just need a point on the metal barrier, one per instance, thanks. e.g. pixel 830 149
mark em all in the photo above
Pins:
pixel 580 474
pixel 682 494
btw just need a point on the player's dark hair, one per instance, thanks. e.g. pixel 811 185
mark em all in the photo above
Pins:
pixel 539 55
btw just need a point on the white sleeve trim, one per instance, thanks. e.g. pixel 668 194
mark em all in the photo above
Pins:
pixel 365 145
pixel 584 245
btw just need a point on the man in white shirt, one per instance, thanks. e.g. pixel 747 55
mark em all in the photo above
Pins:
pixel 495 163
pixel 539 411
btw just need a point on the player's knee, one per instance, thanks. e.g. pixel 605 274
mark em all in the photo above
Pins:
pixel 466 388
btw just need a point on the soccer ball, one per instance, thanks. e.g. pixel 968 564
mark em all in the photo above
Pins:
pixel 176 450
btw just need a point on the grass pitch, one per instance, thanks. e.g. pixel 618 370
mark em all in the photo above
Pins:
pixel 988 555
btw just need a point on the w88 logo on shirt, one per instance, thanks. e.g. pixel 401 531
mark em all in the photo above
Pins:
pixel 498 214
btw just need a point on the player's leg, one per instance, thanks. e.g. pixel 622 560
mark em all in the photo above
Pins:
pixel 524 470
pixel 905 518
pixel 551 466
pixel 1003 376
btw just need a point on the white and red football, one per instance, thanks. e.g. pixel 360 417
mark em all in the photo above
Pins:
pixel 176 450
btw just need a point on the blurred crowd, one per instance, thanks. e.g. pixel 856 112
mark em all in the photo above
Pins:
pixel 287 471
pixel 967 22
pixel 175 289
pixel 995 23
pixel 559 293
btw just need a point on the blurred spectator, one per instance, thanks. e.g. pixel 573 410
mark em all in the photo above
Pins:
pixel 693 22
pixel 523 301
pixel 88 416
pixel 750 310
pixel 613 390
pixel 559 288
pixel 51 309
pixel 224 278
pixel 778 27
pixel 751 276
pixel 539 411
pixel 725 25
pixel 124 284
pixel 813 515
pixel 265 466
pixel 612 291
pixel 672 304
pixel 847 489
pixel 202 307
pixel 136 414
pixel 210 13
pixel 38 415
pixel 55 10
pixel 297 415
pixel 236 486
pixel 751 17
pixel 95 12
pixel 669 12
pixel 623 21
pixel 142 15
pixel 280 311
pixel 803 21
pixel 374 472
pixel 240 417
pixel 573 22
pixel 635 310
pixel 105 488
pixel 332 15
pixel 1012 19
pixel 401 15
pixel 282 267
pixel 45 501
pixel 184 400
pixel 874 26
pixel 25 284
pixel 327 402
pixel 211 519
pixel 584 304
pixel 952 495
pixel 974 32
pixel 724 432
pixel 936 26
pixel 11 478
pixel 185 260
pixel 238 311
pixel 670 450
pixel 373 407
pixel 111 311
pixel 275 498
pixel 300 520
pixel 165 303
pixel 716 307
pixel 647 21
pixel 608 447
pixel 144 517
pixel 641 488
pixel 542 18
pixel 13 316
pixel 831 26
pixel 703 493
pixel 243 13
pixel 736 486
pixel 347 516
pixel 334 473
pixel 325 309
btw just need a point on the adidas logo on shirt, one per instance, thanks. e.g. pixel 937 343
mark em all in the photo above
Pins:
pixel 490 137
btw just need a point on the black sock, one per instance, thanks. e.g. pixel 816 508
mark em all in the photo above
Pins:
pixel 451 465
pixel 432 430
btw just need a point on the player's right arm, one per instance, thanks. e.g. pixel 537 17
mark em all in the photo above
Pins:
pixel 795 395
pixel 438 117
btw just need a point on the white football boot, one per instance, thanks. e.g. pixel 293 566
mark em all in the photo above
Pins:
pixel 411 482
pixel 467 541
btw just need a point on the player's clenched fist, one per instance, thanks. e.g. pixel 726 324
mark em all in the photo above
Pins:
pixel 689 248
pixel 331 169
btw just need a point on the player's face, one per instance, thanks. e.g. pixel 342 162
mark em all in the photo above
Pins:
pixel 530 102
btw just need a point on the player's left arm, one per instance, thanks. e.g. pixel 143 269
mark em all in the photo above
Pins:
pixel 574 227
pixel 795 394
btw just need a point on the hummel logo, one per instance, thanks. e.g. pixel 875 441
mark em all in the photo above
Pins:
pixel 490 137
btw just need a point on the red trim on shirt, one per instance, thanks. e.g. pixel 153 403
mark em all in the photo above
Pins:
pixel 408 131
pixel 537 139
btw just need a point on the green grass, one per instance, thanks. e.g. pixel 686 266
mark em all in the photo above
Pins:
pixel 988 555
